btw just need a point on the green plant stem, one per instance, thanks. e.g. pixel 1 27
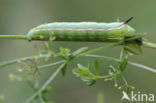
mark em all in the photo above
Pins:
pixel 129 62
pixel 24 37
pixel 51 78
pixel 13 37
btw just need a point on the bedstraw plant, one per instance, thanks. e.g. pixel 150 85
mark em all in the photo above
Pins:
pixel 113 34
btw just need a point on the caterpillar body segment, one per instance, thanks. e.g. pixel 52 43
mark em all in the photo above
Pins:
pixel 81 31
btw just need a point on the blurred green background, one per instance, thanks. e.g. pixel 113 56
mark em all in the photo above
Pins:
pixel 19 16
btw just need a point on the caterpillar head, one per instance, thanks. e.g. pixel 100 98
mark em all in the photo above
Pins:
pixel 38 34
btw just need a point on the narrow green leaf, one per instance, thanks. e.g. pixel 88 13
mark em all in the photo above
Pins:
pixel 63 70
pixel 122 52
pixel 90 83
pixel 127 89
pixel 131 51
pixel 45 100
pixel 96 66
pixel 135 37
pixel 123 64
pixel 139 48
pixel 47 89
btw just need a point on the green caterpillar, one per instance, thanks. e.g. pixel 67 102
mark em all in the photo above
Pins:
pixel 81 31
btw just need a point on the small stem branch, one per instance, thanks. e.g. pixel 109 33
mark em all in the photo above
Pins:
pixel 51 78
pixel 124 79
pixel 51 64
pixel 100 48
pixel 129 62
pixel 22 59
